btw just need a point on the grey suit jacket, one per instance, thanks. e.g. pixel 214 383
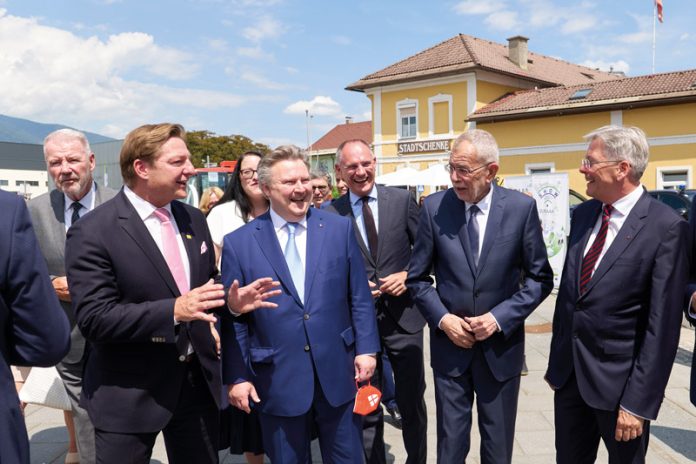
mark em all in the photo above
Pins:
pixel 48 217
pixel 398 224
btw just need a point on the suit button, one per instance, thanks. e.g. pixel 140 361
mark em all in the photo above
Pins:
pixel 306 316
pixel 182 358
pixel 306 347
pixel 476 294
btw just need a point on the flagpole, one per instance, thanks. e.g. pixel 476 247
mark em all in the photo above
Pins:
pixel 654 35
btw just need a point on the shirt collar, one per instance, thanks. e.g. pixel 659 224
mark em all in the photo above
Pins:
pixel 624 205
pixel 143 207
pixel 86 201
pixel 354 199
pixel 485 203
pixel 279 222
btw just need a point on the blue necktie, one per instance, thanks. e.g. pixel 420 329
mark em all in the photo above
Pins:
pixel 292 257
pixel 473 229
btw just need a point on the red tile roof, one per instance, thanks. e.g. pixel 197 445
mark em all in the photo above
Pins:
pixel 466 53
pixel 342 132
pixel 635 91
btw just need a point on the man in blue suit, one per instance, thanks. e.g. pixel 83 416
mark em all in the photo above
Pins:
pixel 619 307
pixel 485 246
pixel 691 295
pixel 34 330
pixel 298 358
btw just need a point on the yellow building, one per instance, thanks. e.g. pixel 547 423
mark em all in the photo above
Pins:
pixel 537 107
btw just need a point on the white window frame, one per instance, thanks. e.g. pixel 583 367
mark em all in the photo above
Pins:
pixel 407 103
pixel 662 185
pixel 439 98
pixel 529 167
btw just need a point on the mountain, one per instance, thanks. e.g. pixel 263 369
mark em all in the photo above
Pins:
pixel 18 130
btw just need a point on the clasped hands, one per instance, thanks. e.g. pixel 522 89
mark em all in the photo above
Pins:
pixel 393 284
pixel 465 332
pixel 195 304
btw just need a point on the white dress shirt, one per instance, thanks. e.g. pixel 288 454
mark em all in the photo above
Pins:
pixel 146 211
pixel 621 209
pixel 86 205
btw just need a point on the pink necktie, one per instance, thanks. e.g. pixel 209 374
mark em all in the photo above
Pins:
pixel 171 250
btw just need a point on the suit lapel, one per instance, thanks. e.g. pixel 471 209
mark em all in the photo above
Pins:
pixel 344 208
pixel 495 216
pixel 58 207
pixel 315 237
pixel 135 228
pixel 382 222
pixel 630 228
pixel 183 222
pixel 268 242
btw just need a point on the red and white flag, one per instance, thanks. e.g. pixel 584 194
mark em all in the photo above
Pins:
pixel 658 4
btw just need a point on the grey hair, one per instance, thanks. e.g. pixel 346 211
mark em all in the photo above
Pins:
pixel 281 153
pixel 484 143
pixel 67 133
pixel 624 143
pixel 339 150
pixel 321 175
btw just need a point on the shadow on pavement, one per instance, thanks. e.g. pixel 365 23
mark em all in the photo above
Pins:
pixel 681 441
pixel 683 357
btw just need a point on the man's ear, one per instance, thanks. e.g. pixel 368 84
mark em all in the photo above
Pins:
pixel 141 168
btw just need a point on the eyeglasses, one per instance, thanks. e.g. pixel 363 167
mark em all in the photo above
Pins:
pixel 587 163
pixel 462 171
pixel 248 173
pixel 321 188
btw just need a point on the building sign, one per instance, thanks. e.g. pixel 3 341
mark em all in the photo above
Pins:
pixel 424 146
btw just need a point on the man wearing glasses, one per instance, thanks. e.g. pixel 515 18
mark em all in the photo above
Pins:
pixel 618 313
pixel 484 245
pixel 321 188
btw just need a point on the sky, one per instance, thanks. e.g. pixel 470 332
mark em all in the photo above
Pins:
pixel 253 67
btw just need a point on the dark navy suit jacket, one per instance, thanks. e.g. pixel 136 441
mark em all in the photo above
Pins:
pixel 512 277
pixel 690 289
pixel 34 330
pixel 621 336
pixel 123 294
pixel 283 350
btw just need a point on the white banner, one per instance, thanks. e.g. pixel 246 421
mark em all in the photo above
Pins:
pixel 551 194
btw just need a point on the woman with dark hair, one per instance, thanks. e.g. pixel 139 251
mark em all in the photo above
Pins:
pixel 242 202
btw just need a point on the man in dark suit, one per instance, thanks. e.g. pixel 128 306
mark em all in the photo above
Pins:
pixel 618 313
pixel 70 163
pixel 691 295
pixel 299 357
pixel 140 272
pixel 485 246
pixel 386 231
pixel 34 330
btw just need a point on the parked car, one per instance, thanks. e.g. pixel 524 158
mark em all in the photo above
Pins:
pixel 679 200
pixel 574 200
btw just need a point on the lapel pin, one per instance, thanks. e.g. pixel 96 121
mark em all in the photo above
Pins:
pixel 188 236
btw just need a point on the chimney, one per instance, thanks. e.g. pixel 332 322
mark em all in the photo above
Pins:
pixel 517 48
pixel 349 119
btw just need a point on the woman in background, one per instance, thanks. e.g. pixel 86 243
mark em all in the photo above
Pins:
pixel 242 202
pixel 211 196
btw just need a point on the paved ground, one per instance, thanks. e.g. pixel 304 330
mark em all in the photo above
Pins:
pixel 673 438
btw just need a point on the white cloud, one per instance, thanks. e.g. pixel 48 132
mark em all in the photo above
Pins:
pixel 477 7
pixel 256 53
pixel 366 116
pixel 259 80
pixel 318 106
pixel 273 141
pixel 292 70
pixel 636 37
pixel 218 45
pixel 578 24
pixel 258 3
pixel 266 28
pixel 619 65
pixel 503 20
pixel 684 36
pixel 341 40
pixel 51 74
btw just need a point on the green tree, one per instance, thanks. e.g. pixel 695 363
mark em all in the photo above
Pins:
pixel 206 145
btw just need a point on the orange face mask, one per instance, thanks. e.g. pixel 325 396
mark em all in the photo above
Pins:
pixel 366 399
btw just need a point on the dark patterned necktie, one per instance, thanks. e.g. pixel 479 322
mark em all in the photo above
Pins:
pixel 76 205
pixel 472 228
pixel 370 227
pixel 590 259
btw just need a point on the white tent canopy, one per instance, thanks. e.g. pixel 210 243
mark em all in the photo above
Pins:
pixel 403 176
pixel 435 176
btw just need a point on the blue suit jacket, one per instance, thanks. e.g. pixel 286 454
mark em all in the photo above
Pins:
pixel 513 276
pixel 621 336
pixel 34 330
pixel 282 350
pixel 690 289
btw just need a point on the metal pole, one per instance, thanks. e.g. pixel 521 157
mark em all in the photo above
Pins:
pixel 654 34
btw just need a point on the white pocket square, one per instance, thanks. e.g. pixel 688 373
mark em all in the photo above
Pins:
pixel 204 247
